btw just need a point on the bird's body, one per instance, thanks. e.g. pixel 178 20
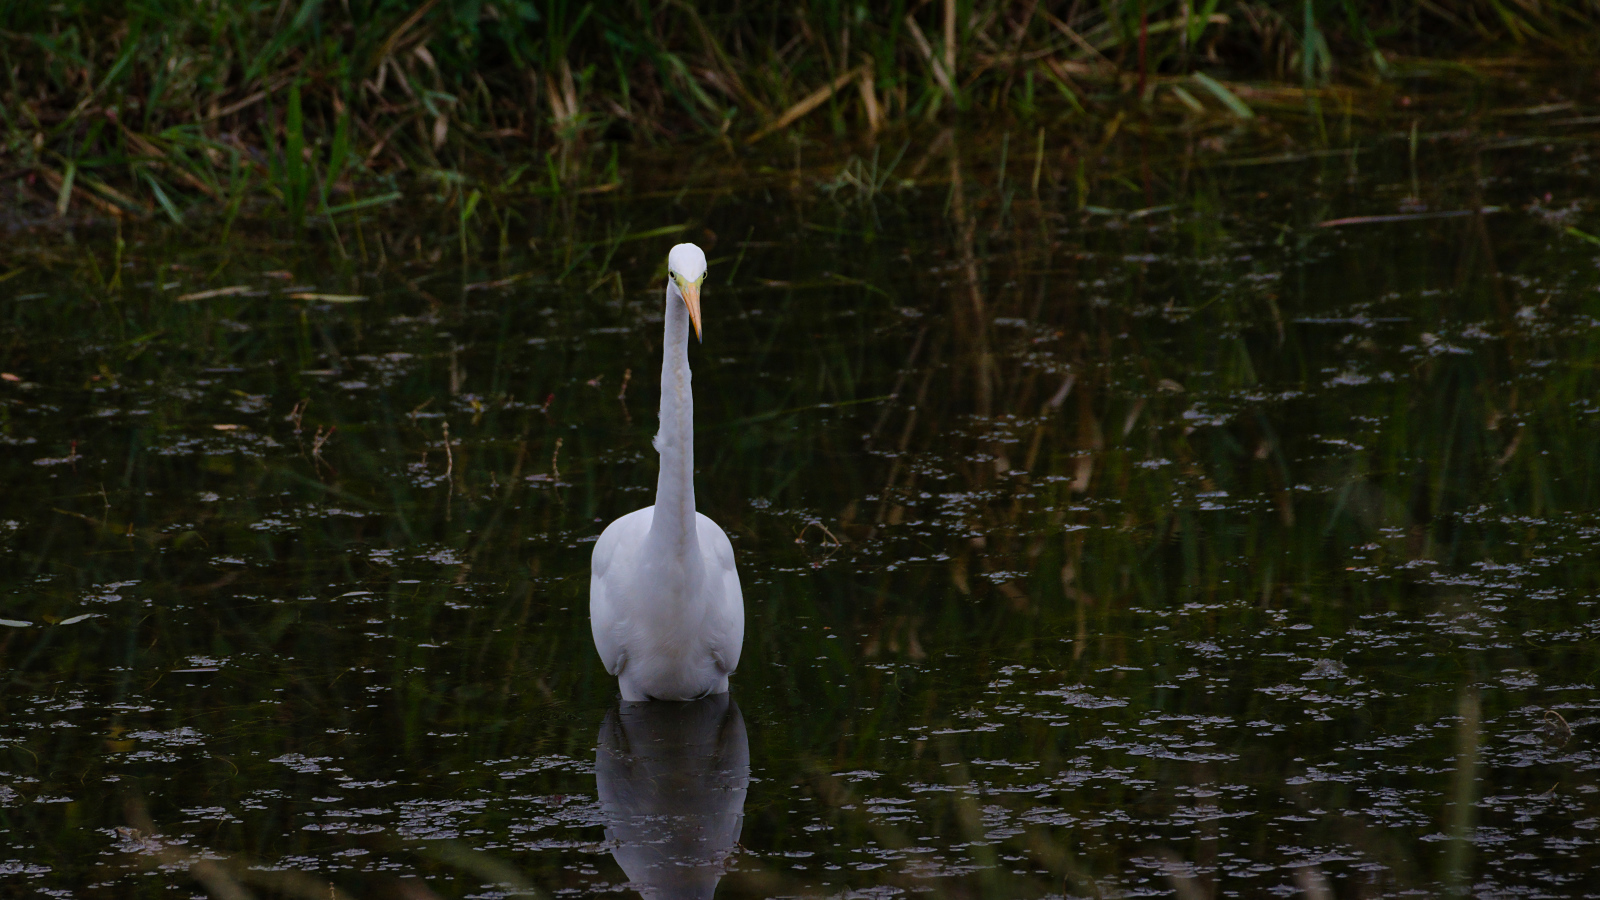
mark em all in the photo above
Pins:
pixel 668 623
pixel 665 605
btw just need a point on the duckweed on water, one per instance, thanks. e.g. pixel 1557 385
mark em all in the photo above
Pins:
pixel 1172 538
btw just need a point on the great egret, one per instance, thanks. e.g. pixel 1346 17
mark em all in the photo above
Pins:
pixel 664 599
pixel 672 779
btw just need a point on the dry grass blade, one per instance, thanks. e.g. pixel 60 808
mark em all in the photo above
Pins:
pixel 397 36
pixel 1075 37
pixel 813 100
pixel 869 100
pixel 1405 217
pixel 496 283
pixel 277 83
pixel 950 41
pixel 562 97
pixel 926 49
pixel 65 191
pixel 327 298
pixel 1165 25
pixel 144 146
pixel 229 291
pixel 116 196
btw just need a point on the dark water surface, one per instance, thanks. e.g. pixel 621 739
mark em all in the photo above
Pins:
pixel 1142 541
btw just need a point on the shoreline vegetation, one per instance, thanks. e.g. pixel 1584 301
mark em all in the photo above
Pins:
pixel 202 112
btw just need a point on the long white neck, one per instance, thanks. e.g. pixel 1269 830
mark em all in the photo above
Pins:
pixel 673 521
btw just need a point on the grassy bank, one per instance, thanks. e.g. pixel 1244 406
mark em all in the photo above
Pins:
pixel 192 111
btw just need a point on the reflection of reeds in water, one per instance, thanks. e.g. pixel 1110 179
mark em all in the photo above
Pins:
pixel 1126 361
pixel 1464 794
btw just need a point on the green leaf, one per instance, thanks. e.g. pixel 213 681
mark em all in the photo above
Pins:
pixel 295 176
pixel 1308 46
pixel 363 203
pixel 1197 24
pixel 275 47
pixel 304 14
pixel 511 179
pixel 1221 92
pixel 338 155
pixel 1187 99
pixel 161 198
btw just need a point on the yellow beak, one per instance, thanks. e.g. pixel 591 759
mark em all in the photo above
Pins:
pixel 691 299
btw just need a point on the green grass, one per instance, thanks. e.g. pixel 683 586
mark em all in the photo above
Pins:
pixel 173 108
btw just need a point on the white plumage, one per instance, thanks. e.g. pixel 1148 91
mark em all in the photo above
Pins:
pixel 672 779
pixel 664 600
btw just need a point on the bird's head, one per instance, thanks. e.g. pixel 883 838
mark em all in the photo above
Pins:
pixel 686 266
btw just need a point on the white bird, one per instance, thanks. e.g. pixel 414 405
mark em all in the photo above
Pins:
pixel 672 779
pixel 664 599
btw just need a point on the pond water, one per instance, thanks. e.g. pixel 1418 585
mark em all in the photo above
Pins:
pixel 1140 536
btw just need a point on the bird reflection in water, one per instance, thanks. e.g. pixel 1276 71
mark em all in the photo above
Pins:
pixel 672 779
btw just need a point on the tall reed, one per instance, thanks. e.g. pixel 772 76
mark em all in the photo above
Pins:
pixel 162 107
